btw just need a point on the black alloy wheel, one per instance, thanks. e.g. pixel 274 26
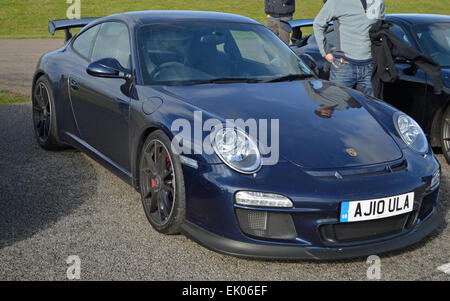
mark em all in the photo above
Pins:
pixel 44 119
pixel 162 184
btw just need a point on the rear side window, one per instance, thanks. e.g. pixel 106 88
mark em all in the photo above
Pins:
pixel 83 43
pixel 250 44
pixel 113 41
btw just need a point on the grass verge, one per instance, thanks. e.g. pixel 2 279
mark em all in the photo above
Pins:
pixel 28 18
pixel 8 98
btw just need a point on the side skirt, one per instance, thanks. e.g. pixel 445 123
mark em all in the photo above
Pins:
pixel 99 157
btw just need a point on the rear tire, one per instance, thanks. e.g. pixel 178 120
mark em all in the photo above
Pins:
pixel 445 134
pixel 161 184
pixel 44 116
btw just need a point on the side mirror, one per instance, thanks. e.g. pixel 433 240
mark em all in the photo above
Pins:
pixel 411 70
pixel 108 68
pixel 402 60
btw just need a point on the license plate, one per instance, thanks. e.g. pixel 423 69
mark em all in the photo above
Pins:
pixel 356 211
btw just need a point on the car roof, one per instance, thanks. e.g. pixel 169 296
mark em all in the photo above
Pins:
pixel 163 16
pixel 419 18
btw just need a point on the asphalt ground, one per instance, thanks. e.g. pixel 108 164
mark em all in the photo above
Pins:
pixel 57 204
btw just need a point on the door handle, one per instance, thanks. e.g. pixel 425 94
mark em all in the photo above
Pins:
pixel 74 84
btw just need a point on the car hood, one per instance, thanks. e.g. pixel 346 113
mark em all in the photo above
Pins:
pixel 349 136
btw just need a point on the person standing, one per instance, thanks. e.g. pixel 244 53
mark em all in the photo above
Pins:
pixel 277 11
pixel 351 58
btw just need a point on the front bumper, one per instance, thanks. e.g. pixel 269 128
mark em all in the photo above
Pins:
pixel 212 214
pixel 264 251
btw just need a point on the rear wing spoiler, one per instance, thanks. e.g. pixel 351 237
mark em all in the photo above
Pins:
pixel 67 24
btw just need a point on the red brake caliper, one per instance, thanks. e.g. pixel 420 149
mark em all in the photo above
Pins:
pixel 167 160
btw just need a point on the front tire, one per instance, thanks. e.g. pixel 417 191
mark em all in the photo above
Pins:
pixel 445 134
pixel 44 115
pixel 162 184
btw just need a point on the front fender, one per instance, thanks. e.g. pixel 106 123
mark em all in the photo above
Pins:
pixel 165 118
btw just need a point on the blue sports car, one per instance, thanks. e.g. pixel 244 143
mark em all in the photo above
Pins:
pixel 231 140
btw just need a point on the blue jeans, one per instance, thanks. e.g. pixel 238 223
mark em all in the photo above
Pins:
pixel 352 76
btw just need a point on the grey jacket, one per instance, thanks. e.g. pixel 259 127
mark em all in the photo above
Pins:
pixel 351 25
pixel 280 8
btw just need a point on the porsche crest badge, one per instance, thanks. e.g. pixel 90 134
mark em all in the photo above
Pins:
pixel 351 152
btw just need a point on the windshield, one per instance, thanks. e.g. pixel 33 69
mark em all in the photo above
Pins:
pixel 435 41
pixel 198 52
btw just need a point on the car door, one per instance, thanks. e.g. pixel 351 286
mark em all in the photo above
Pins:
pixel 101 105
pixel 433 44
pixel 408 93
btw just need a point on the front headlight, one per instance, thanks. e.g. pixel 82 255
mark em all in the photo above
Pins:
pixel 262 199
pixel 236 149
pixel 411 133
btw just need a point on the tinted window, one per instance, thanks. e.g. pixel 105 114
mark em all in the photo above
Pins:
pixel 249 45
pixel 183 53
pixel 113 41
pixel 435 41
pixel 398 31
pixel 83 42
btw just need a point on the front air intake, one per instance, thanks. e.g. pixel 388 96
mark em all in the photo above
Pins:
pixel 266 224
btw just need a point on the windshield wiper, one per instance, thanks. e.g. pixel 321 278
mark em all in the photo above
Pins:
pixel 231 80
pixel 225 80
pixel 289 77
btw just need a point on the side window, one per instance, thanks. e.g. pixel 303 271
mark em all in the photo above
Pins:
pixel 398 31
pixel 113 41
pixel 250 44
pixel 83 43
